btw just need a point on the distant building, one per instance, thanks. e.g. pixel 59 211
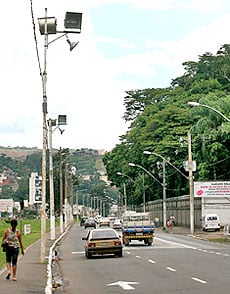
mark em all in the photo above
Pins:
pixel 6 206
pixel 35 189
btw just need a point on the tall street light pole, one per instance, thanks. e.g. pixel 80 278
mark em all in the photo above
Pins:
pixel 51 180
pixel 47 25
pixel 164 196
pixel 190 178
pixel 125 175
pixel 191 186
pixel 190 162
pixel 61 190
pixel 44 111
pixel 124 187
pixel 149 173
pixel 52 123
pixel 164 191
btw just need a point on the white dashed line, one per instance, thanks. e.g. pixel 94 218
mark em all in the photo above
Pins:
pixel 151 261
pixel 77 252
pixel 137 256
pixel 199 280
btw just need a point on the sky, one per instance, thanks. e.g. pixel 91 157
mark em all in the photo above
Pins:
pixel 123 45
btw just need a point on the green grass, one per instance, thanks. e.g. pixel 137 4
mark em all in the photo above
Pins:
pixel 27 240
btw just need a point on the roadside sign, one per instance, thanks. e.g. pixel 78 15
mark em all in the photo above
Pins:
pixel 189 165
pixel 212 189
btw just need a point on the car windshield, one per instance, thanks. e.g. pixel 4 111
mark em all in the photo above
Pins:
pixel 105 234
pixel 90 220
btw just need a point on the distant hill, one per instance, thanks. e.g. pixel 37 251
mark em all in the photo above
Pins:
pixel 18 153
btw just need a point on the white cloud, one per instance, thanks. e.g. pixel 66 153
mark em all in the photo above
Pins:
pixel 84 84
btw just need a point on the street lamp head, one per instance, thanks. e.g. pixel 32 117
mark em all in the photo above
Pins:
pixel 61 130
pixel 147 152
pixel 51 25
pixel 72 45
pixel 62 120
pixel 191 103
pixel 73 21
pixel 132 164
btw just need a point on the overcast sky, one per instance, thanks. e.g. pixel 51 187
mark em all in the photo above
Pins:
pixel 124 45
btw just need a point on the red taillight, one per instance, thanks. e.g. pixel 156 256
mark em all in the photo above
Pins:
pixel 116 243
pixel 91 244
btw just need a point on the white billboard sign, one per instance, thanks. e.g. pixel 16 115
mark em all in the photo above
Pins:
pixel 212 189
pixel 6 205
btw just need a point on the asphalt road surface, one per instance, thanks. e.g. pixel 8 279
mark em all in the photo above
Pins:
pixel 173 264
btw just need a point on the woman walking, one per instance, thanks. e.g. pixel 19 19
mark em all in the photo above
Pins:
pixel 12 237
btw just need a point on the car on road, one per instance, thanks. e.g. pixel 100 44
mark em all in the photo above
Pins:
pixel 104 222
pixel 117 224
pixel 83 219
pixel 103 241
pixel 90 222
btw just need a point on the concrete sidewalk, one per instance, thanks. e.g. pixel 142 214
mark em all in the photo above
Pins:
pixel 31 274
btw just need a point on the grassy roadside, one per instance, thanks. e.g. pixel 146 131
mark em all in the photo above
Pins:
pixel 26 239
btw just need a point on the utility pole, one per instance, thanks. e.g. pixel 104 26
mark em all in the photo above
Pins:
pixel 51 180
pixel 164 195
pixel 61 190
pixel 191 188
pixel 44 143
pixel 143 187
pixel 125 195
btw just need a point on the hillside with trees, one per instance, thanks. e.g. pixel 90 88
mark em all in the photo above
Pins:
pixel 160 119
pixel 88 178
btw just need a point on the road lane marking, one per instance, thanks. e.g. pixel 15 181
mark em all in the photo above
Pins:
pixel 175 243
pixel 124 285
pixel 137 256
pixel 77 252
pixel 151 261
pixel 128 252
pixel 199 280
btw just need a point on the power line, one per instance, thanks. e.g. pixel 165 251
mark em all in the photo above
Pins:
pixel 35 39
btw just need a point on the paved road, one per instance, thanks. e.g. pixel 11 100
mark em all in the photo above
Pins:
pixel 174 264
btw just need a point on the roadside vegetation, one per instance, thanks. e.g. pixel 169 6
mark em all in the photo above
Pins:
pixel 160 119
pixel 26 239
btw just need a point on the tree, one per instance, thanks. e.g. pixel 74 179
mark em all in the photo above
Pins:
pixel 159 118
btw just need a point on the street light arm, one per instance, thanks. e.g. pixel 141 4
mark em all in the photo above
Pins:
pixel 148 172
pixel 123 174
pixel 154 153
pixel 191 103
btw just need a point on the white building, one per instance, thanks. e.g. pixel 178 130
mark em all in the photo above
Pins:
pixel 35 189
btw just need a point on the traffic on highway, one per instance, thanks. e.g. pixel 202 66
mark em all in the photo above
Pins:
pixel 174 263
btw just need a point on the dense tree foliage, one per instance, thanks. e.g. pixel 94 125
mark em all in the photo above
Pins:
pixel 159 122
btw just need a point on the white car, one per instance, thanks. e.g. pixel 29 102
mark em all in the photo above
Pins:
pixel 117 224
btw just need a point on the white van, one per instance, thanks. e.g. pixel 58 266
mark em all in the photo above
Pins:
pixel 211 222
